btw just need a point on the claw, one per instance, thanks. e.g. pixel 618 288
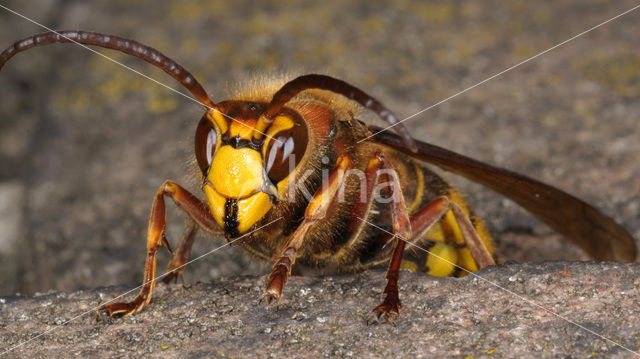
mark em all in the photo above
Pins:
pixel 271 297
pixel 175 269
pixel 170 278
pixel 389 310
pixel 105 313
pixel 174 275
pixel 185 285
pixel 277 280
pixel 382 311
pixel 102 315
pixel 116 310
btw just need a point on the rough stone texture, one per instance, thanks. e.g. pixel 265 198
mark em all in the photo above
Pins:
pixel 84 143
pixel 324 317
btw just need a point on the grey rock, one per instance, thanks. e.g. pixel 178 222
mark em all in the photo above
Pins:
pixel 90 141
pixel 541 310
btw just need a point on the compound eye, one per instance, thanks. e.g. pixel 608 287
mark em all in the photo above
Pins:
pixel 206 143
pixel 284 152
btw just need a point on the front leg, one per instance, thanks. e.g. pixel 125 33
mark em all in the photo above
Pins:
pixel 194 208
pixel 316 210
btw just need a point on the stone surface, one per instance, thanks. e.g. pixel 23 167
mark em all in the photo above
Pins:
pixel 324 317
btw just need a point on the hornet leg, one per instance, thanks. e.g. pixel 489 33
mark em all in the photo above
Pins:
pixel 195 209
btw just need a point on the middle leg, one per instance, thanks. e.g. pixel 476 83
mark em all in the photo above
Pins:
pixel 181 253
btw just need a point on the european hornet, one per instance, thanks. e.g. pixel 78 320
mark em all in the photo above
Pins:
pixel 262 158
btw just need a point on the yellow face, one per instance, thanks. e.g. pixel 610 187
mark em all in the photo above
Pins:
pixel 241 177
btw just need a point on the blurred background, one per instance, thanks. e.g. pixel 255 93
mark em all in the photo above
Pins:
pixel 85 143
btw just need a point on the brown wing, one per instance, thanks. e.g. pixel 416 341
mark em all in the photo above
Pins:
pixel 600 236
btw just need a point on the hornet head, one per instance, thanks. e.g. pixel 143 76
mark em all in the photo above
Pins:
pixel 244 176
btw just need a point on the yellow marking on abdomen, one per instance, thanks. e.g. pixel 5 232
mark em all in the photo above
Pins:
pixel 450 243
pixel 441 260
pixel 409 265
